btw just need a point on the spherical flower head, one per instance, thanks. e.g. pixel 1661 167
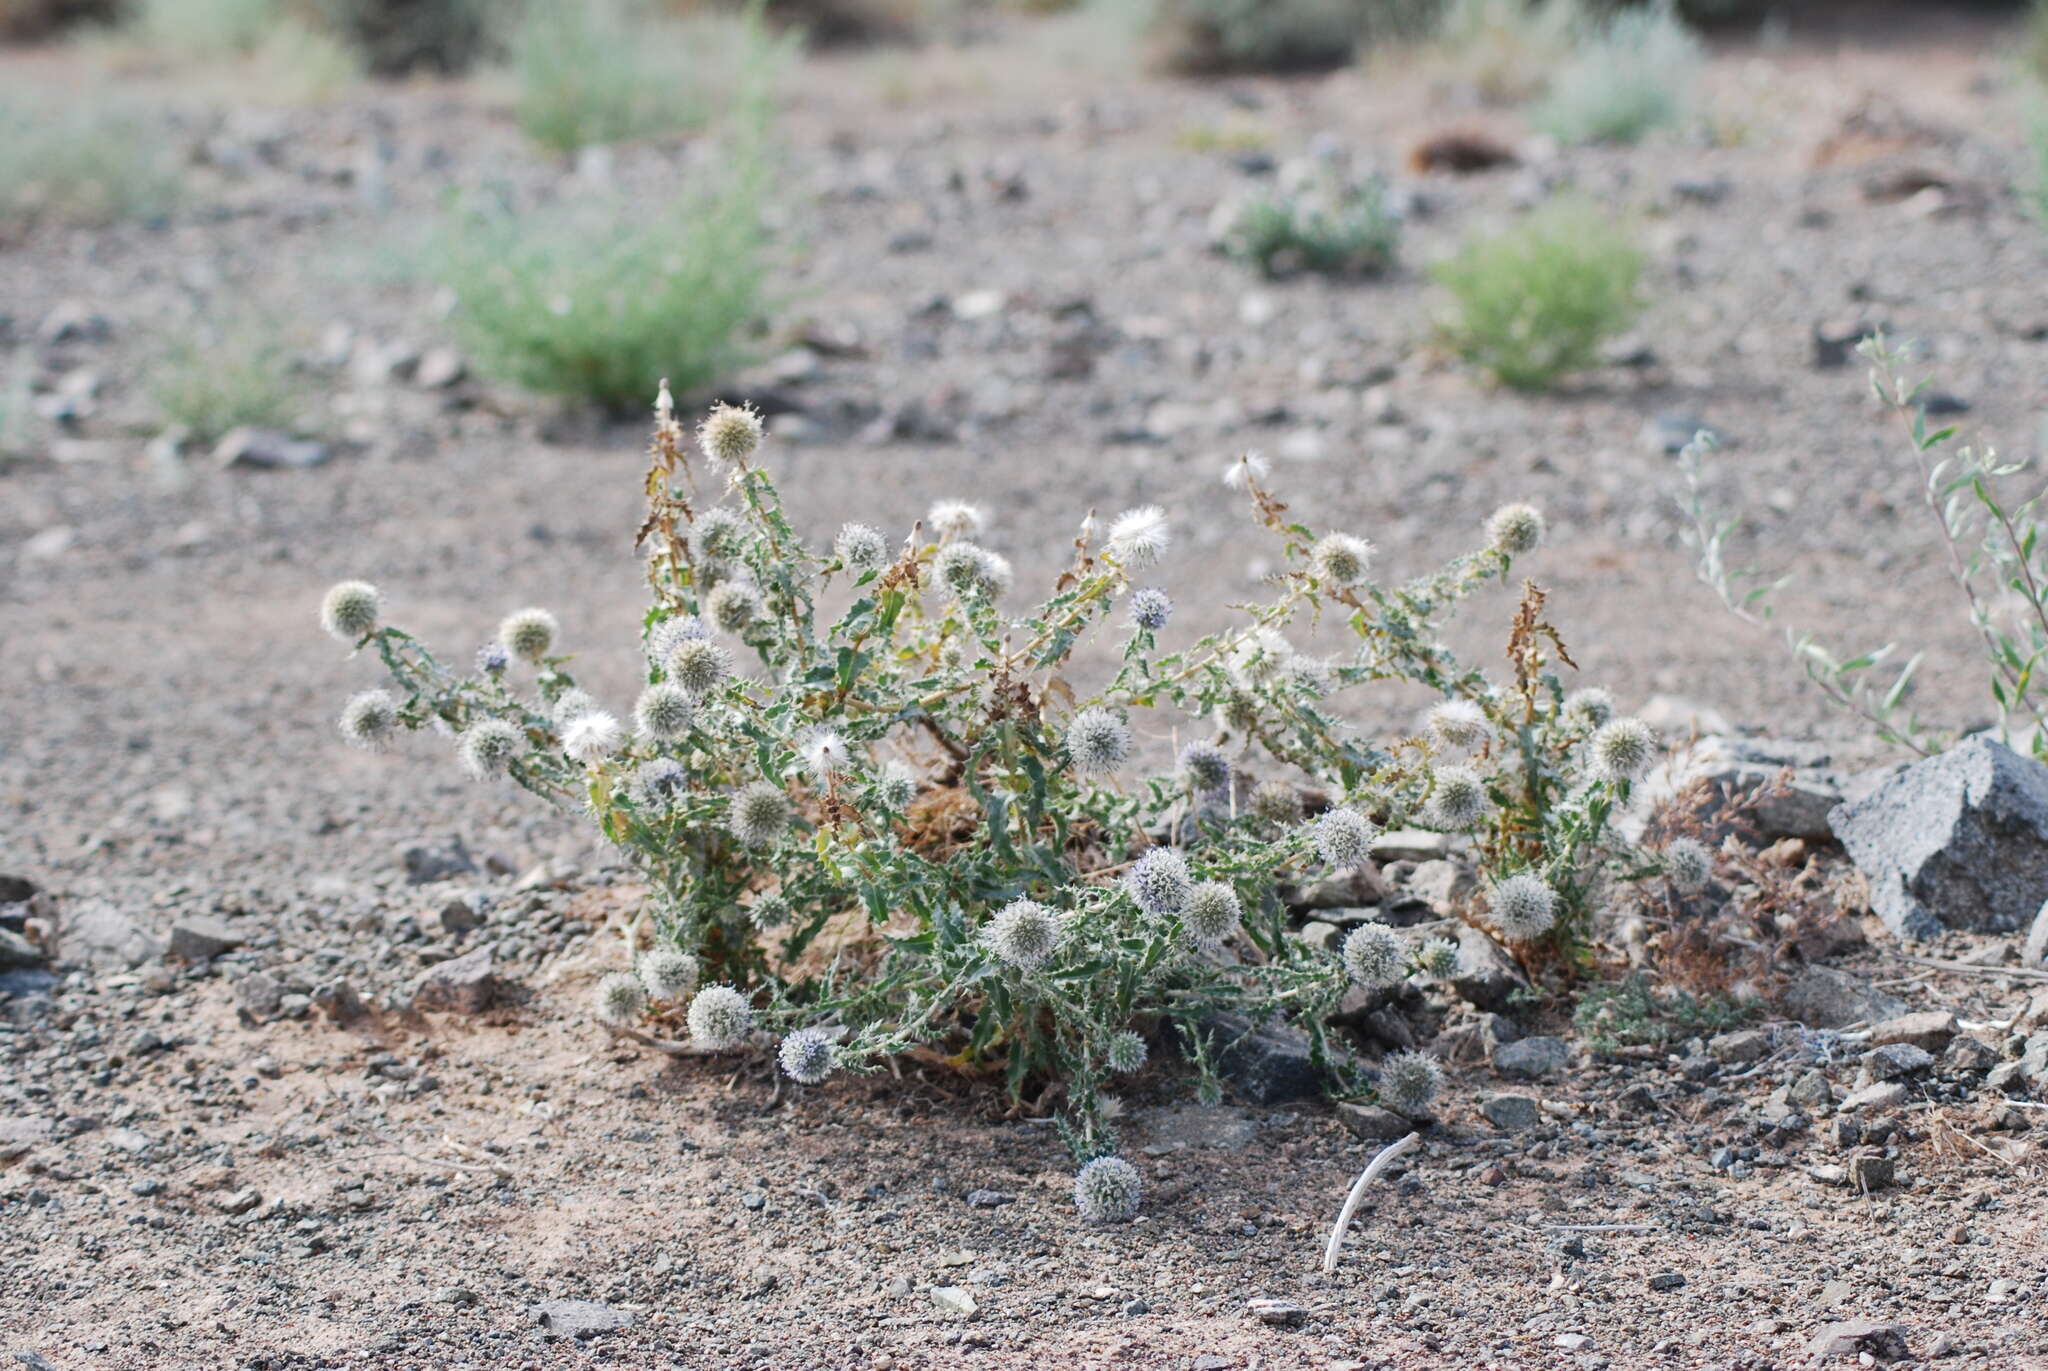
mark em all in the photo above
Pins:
pixel 1514 529
pixel 590 738
pixel 1159 881
pixel 1138 538
pixel 896 787
pixel 1459 723
pixel 1344 838
pixel 1211 914
pixel 699 666
pixel 349 610
pixel 1624 749
pixel 807 1055
pixel 719 534
pixel 669 973
pixel 719 1017
pixel 528 633
pixel 1589 708
pixel 733 605
pixel 970 571
pixel 1523 907
pixel 621 999
pixel 1375 956
pixel 1408 1082
pixel 760 814
pixel 658 784
pixel 1688 863
pixel 1246 471
pixel 571 704
pixel 487 747
pixel 1261 659
pixel 1277 802
pixel 1438 959
pixel 1125 1052
pixel 1023 934
pixel 1108 1190
pixel 955 519
pixel 770 911
pixel 369 719
pixel 729 434
pixel 1203 768
pixel 663 712
pixel 861 547
pixel 1340 559
pixel 1237 713
pixel 1098 740
pixel 825 753
pixel 492 659
pixel 664 637
pixel 1150 608
pixel 1458 797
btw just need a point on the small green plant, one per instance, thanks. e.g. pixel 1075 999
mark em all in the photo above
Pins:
pixel 1535 302
pixel 1630 1013
pixel 1995 557
pixel 206 30
pixel 243 377
pixel 17 413
pixel 606 71
pixel 2034 43
pixel 82 163
pixel 1627 78
pixel 2033 183
pixel 1505 50
pixel 1332 229
pixel 1207 37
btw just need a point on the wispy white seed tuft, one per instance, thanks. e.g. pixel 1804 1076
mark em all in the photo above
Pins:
pixel 669 973
pixel 1246 470
pixel 807 1055
pixel 1523 907
pixel 528 633
pixel 1375 956
pixel 1344 837
pixel 1589 708
pixel 369 719
pixel 1138 538
pixel 590 738
pixel 1408 1082
pixel 955 519
pixel 621 999
pixel 1098 740
pixel 825 753
pixel 1212 913
pixel 720 1017
pixel 1514 529
pixel 760 814
pixel 1688 863
pixel 1340 559
pixel 486 748
pixel 729 434
pixel 1023 933
pixel 1108 1190
pixel 1159 881
pixel 970 571
pixel 1459 723
pixel 350 610
pixel 1624 749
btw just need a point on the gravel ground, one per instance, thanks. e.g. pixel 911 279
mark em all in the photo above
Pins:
pixel 999 263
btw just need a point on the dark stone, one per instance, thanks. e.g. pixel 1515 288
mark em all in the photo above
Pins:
pixel 428 862
pixel 1666 1280
pixel 1267 1064
pixel 202 939
pixel 1957 840
pixel 1894 1061
pixel 1532 1058
pixel 1487 975
pixel 1854 1337
pixel 338 1001
pixel 17 951
pixel 1870 1171
pixel 1822 997
pixel 1372 1123
pixel 462 985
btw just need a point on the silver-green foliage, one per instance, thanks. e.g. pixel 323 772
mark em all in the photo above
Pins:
pixel 82 162
pixel 899 782
pixel 1629 77
pixel 1333 229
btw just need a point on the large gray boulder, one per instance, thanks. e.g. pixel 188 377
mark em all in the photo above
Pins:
pixel 1958 840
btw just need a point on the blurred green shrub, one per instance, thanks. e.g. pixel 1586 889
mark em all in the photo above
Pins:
pixel 242 375
pixel 609 71
pixel 395 37
pixel 1626 78
pixel 1209 37
pixel 82 162
pixel 1535 302
pixel 1334 230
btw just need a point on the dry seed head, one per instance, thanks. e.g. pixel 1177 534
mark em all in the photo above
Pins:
pixel 1514 529
pixel 621 999
pixel 1023 933
pixel 733 605
pixel 1125 1052
pixel 1344 838
pixel 1340 559
pixel 349 610
pixel 1139 537
pixel 1459 723
pixel 663 712
pixel 699 666
pixel 486 748
pixel 1277 802
pixel 1438 959
pixel 1688 863
pixel 590 738
pixel 955 519
pixel 669 973
pixel 826 753
pixel 369 719
pixel 1523 907
pixel 861 547
pixel 1458 797
pixel 1108 1190
pixel 528 633
pixel 720 1017
pixel 1589 708
pixel 1375 956
pixel 1159 882
pixel 729 434
pixel 1624 749
pixel 1212 913
pixel 1408 1082
pixel 1245 470
pixel 760 814
pixel 1098 740
pixel 1203 768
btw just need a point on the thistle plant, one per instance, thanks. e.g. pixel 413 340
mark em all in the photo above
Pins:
pixel 931 823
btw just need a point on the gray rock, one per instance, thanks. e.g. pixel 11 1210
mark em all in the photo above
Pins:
pixel 1412 845
pixel 1969 1055
pixel 202 939
pixel 2034 955
pixel 1957 840
pixel 1872 1098
pixel 97 934
pixel 1665 1280
pixel 1532 1058
pixel 1372 1123
pixel 259 996
pixel 1870 1171
pixel 1445 886
pixel 1278 1313
pixel 1852 1338
pixel 439 368
pixel 1667 434
pixel 1344 890
pixel 1487 975
pixel 954 1299
pixel 1812 1091
pixel 579 1318
pixel 465 912
pixel 462 985
pixel 1835 340
pixel 1267 1064
pixel 1743 1045
pixel 267 449
pixel 1822 997
pixel 339 1001
pixel 1896 1061
pixel 427 862
pixel 1737 769
pixel 1220 1127
pixel 1930 1029
pixel 17 951
pixel 1511 1113
pixel 989 1199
